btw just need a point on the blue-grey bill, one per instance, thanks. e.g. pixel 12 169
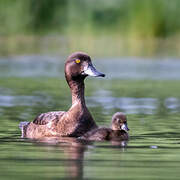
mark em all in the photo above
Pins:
pixel 125 127
pixel 91 71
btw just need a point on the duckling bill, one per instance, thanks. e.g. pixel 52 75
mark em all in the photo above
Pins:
pixel 77 120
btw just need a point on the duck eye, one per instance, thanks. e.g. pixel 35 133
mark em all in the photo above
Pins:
pixel 77 61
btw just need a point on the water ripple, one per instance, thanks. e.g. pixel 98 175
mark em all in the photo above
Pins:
pixel 10 101
pixel 122 67
pixel 131 105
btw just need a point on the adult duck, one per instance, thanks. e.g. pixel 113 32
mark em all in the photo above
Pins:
pixel 77 120
pixel 117 132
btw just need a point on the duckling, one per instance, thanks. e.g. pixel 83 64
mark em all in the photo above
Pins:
pixel 117 131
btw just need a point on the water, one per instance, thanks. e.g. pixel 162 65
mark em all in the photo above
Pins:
pixel 146 90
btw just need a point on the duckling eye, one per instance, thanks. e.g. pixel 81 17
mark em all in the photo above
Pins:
pixel 77 61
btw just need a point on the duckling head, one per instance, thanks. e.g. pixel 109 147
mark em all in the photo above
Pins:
pixel 119 122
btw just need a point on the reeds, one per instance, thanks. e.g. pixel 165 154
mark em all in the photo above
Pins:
pixel 116 27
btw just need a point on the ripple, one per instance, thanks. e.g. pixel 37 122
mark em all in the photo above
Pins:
pixel 122 67
pixel 173 104
pixel 131 105
pixel 10 101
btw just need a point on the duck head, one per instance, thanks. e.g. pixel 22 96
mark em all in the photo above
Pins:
pixel 119 122
pixel 79 65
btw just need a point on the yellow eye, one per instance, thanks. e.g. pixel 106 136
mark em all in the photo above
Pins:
pixel 78 61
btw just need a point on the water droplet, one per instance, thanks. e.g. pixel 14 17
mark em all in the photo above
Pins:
pixel 153 147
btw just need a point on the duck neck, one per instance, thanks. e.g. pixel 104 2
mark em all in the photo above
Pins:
pixel 77 91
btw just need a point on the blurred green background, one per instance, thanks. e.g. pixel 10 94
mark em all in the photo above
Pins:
pixel 101 28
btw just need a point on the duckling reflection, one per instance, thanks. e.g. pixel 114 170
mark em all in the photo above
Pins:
pixel 117 131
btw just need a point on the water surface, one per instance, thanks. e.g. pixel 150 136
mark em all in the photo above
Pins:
pixel 146 90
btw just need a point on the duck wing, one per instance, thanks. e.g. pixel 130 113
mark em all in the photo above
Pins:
pixel 45 118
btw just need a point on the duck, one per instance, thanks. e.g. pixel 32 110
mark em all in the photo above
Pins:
pixel 77 120
pixel 117 131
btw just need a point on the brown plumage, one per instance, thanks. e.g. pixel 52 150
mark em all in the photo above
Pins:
pixel 77 120
pixel 118 130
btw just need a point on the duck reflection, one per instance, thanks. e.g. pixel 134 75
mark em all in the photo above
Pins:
pixel 74 150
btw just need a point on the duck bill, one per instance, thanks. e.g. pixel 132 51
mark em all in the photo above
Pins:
pixel 91 71
pixel 125 127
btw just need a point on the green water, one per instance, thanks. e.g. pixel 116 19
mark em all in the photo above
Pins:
pixel 152 107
